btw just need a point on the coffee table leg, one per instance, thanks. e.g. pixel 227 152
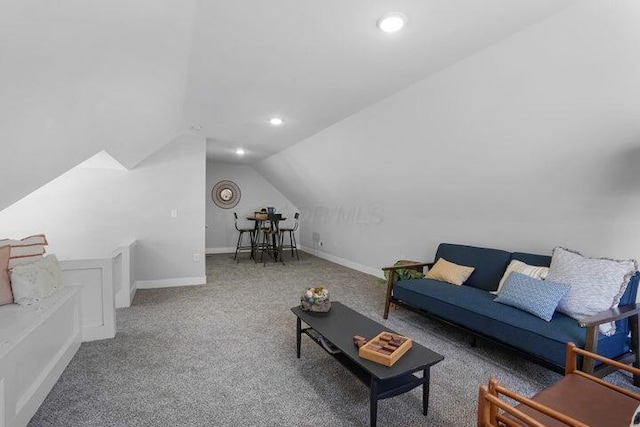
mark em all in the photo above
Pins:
pixel 298 335
pixel 426 374
pixel 373 403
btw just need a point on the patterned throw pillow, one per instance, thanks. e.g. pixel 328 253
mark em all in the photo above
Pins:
pixel 597 284
pixel 36 281
pixel 520 267
pixel 537 297
pixel 449 272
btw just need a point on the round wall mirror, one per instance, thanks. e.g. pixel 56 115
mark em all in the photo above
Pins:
pixel 225 194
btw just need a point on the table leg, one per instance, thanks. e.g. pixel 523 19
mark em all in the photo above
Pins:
pixel 298 335
pixel 275 247
pixel 373 403
pixel 426 374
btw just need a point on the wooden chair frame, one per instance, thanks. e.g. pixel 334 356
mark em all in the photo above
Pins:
pixel 494 412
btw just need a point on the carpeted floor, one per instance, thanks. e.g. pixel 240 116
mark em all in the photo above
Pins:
pixel 223 354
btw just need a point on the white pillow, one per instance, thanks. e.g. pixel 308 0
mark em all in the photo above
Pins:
pixel 36 281
pixel 534 271
pixel 597 284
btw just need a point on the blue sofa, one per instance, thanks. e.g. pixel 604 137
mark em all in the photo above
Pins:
pixel 472 308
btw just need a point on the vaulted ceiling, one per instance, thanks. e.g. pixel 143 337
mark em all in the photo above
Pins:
pixel 314 63
pixel 126 77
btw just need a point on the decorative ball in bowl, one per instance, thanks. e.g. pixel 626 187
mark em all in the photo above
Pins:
pixel 315 299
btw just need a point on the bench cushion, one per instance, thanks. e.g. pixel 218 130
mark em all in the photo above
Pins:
pixel 489 264
pixel 17 321
pixel 475 310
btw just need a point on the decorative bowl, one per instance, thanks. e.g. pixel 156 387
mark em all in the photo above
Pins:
pixel 315 299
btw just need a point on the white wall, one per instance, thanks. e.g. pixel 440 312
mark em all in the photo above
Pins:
pixel 256 193
pixel 88 213
pixel 81 77
pixel 529 144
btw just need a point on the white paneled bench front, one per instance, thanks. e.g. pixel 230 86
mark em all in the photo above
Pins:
pixel 38 341
pixel 36 344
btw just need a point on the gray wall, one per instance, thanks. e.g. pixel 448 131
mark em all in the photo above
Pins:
pixel 87 213
pixel 256 193
pixel 529 144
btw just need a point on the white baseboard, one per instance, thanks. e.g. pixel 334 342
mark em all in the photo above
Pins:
pixel 169 283
pixel 210 251
pixel 345 262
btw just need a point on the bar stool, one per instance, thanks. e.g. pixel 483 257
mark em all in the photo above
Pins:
pixel 268 240
pixel 292 238
pixel 241 232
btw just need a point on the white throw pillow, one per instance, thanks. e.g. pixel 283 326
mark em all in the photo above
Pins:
pixel 534 271
pixel 597 284
pixel 36 281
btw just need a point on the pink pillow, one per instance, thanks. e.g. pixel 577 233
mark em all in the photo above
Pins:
pixel 6 296
pixel 25 250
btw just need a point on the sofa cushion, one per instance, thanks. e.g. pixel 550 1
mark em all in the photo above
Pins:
pixel 532 295
pixel 535 271
pixel 475 310
pixel 489 264
pixel 628 297
pixel 597 284
pixel 449 272
pixel 532 259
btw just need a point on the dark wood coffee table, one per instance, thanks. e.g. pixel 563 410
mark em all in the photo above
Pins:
pixel 339 325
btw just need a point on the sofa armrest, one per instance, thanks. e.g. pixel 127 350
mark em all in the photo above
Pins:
pixel 611 315
pixel 631 311
pixel 412 265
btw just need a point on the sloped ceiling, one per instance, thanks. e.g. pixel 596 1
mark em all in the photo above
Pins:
pixel 529 144
pixel 79 77
pixel 315 62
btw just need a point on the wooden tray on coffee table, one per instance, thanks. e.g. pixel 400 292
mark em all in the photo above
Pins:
pixel 370 350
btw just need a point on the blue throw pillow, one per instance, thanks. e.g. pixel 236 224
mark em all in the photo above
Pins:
pixel 537 297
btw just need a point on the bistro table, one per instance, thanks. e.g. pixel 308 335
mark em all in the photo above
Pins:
pixel 274 219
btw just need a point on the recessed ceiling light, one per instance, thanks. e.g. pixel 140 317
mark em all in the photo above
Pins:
pixel 276 121
pixel 197 127
pixel 240 152
pixel 392 22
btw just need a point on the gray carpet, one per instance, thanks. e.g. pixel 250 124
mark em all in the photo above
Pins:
pixel 223 354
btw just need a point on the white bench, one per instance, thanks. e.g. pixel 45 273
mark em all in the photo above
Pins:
pixel 37 342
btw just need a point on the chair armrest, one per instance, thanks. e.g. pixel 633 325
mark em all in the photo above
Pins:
pixel 574 351
pixel 489 403
pixel 611 315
